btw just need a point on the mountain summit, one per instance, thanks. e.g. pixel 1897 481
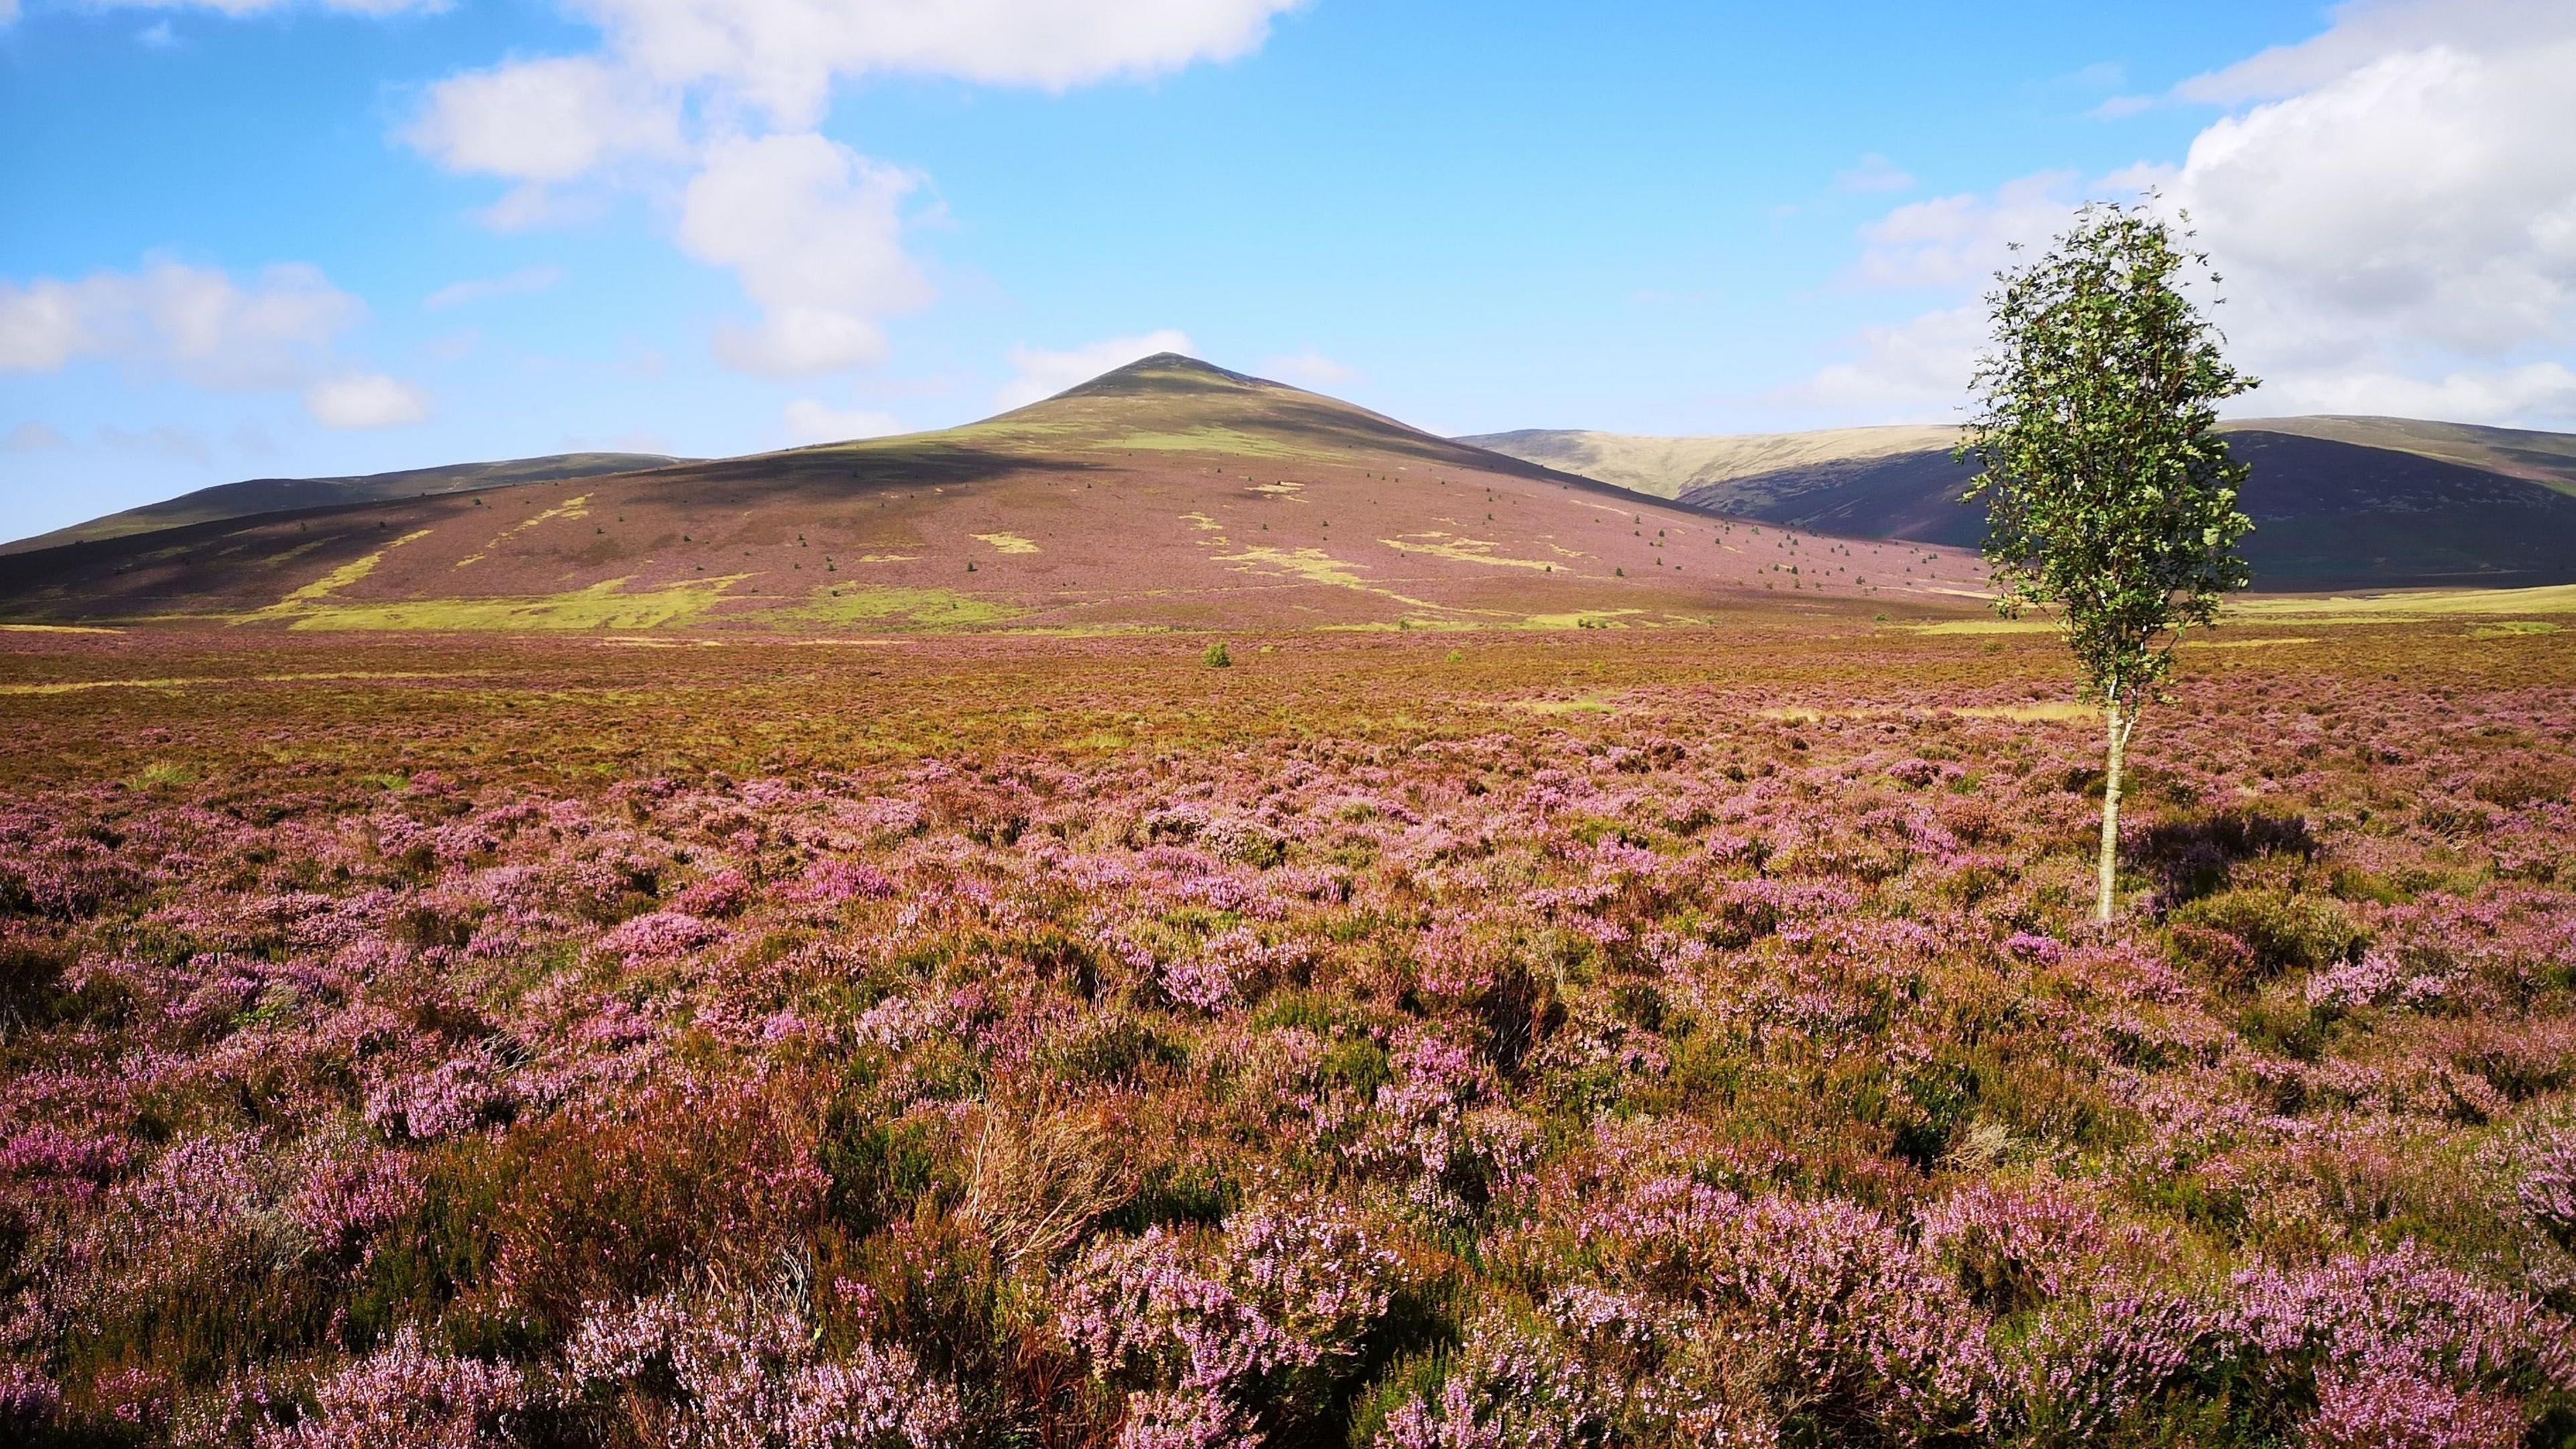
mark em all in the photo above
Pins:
pixel 1168 401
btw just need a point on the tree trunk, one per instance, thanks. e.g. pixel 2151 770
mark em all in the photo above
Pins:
pixel 2110 862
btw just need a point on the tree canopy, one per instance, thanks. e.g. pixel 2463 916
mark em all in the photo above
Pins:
pixel 2108 489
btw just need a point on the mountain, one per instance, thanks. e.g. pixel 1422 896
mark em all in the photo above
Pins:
pixel 1166 493
pixel 2337 502
pixel 277 495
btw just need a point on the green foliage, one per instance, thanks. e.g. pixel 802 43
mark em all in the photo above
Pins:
pixel 1216 657
pixel 2108 490
pixel 2284 932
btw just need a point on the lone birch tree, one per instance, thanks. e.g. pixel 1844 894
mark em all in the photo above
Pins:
pixel 2109 493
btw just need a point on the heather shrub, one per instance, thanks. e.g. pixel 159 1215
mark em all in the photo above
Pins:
pixel 2013 1248
pixel 2108 1366
pixel 2365 1336
pixel 595 1206
pixel 2547 1190
pixel 1513 1385
pixel 2528 782
pixel 1222 1335
pixel 2282 932
pixel 405 1396
pixel 729 1370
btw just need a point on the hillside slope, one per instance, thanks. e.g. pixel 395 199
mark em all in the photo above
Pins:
pixel 255 496
pixel 1166 493
pixel 2337 502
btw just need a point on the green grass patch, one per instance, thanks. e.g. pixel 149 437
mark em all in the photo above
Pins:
pixel 848 604
pixel 605 605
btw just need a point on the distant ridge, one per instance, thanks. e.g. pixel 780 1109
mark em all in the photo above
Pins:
pixel 276 495
pixel 1167 493
pixel 2337 502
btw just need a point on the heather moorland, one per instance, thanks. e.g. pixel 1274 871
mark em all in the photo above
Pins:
pixel 1684 1036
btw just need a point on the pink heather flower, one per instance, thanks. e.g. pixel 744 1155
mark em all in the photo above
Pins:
pixel 351 1190
pixel 1200 1327
pixel 2548 1189
pixel 407 1397
pixel 2369 981
pixel 659 936
pixel 46 1151
pixel 458 1095
pixel 2088 1366
pixel 1454 961
pixel 743 1371
pixel 28 1398
pixel 1141 1308
pixel 2012 1247
pixel 2401 1410
pixel 1185 1420
pixel 2401 1313
pixel 725 893
pixel 2044 950
pixel 1227 970
pixel 831 881
pixel 1510 1389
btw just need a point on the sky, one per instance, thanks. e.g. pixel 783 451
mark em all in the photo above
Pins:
pixel 246 238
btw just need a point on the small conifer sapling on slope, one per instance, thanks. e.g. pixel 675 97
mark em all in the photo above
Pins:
pixel 2109 493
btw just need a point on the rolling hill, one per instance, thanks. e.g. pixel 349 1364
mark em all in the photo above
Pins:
pixel 277 495
pixel 1166 493
pixel 2337 502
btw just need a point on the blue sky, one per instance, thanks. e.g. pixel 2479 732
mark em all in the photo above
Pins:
pixel 269 237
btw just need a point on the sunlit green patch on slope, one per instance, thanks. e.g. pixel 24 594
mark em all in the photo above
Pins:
pixel 604 605
pixel 848 604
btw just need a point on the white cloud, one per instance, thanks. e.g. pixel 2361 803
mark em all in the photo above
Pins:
pixel 8 12
pixel 1874 173
pixel 1311 368
pixel 533 204
pixel 544 121
pixel 1038 373
pixel 195 323
pixel 1903 373
pixel 1950 240
pixel 2537 390
pixel 2428 198
pixel 814 231
pixel 32 437
pixel 2393 213
pixel 782 55
pixel 2366 31
pixel 525 282
pixel 809 421
pixel 366 400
